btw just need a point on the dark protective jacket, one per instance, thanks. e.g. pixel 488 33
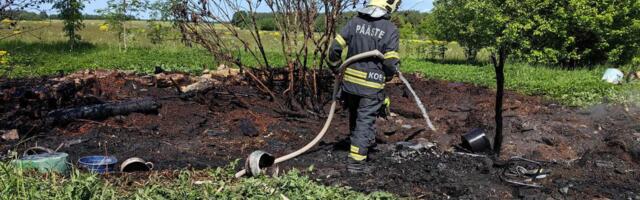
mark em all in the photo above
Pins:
pixel 361 34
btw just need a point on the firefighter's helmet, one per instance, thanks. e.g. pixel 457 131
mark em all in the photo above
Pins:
pixel 389 5
pixel 379 8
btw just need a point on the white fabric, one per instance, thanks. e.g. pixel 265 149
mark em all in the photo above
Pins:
pixel 613 75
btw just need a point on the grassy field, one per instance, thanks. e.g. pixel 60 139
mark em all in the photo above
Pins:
pixel 573 88
pixel 41 50
pixel 216 183
pixel 44 51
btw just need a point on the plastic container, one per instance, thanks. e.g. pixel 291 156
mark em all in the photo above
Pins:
pixel 98 164
pixel 45 162
pixel 476 140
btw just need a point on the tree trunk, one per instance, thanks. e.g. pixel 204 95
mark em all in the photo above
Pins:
pixel 124 25
pixel 470 54
pixel 498 64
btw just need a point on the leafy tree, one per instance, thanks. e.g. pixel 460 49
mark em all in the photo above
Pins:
pixel 407 31
pixel 412 17
pixel 118 12
pixel 43 15
pixel 239 18
pixel 566 32
pixel 70 12
pixel 398 20
pixel 162 9
pixel 569 33
pixel 456 20
pixel 422 29
pixel 576 32
pixel 157 32
pixel 503 26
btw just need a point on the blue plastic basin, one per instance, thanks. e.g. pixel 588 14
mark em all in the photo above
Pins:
pixel 98 164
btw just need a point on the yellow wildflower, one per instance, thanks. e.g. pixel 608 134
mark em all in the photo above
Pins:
pixel 4 57
pixel 17 32
pixel 7 21
pixel 277 34
pixel 104 27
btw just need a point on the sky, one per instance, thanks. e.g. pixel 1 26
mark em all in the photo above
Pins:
pixel 420 5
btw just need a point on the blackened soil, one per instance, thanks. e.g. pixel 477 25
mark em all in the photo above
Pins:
pixel 593 152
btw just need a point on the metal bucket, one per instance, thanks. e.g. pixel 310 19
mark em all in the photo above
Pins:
pixel 258 160
pixel 135 164
pixel 476 140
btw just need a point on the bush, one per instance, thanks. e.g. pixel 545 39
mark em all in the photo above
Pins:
pixel 157 32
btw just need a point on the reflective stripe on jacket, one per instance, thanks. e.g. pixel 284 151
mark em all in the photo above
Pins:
pixel 361 34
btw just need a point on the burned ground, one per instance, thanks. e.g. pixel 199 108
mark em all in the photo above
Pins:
pixel 592 152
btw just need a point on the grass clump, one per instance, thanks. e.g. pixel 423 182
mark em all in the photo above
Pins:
pixel 217 183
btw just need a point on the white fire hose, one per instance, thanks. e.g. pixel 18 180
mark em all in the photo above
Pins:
pixel 327 123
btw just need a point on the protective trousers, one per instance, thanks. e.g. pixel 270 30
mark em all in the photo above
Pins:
pixel 363 112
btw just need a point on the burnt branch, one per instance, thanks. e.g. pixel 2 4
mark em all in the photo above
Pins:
pixel 224 27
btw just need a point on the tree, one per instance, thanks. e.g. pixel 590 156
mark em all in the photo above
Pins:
pixel 70 13
pixel 413 17
pixel 570 33
pixel 456 20
pixel 43 15
pixel 162 9
pixel 8 7
pixel 577 31
pixel 118 12
pixel 407 31
pixel 11 11
pixel 509 23
pixel 303 49
pixel 239 17
pixel 502 26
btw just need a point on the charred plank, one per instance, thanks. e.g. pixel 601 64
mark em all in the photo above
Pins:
pixel 101 111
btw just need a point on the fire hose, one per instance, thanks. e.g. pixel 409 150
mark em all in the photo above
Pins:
pixel 327 123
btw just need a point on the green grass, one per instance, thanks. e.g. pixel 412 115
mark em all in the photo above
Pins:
pixel 570 87
pixel 44 52
pixel 214 184
pixel 35 59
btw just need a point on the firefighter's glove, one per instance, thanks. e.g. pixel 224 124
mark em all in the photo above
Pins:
pixel 388 78
pixel 385 110
pixel 335 69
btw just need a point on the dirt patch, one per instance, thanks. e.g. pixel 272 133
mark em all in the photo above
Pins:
pixel 592 152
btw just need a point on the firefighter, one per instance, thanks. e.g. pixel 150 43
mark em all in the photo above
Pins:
pixel 364 80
